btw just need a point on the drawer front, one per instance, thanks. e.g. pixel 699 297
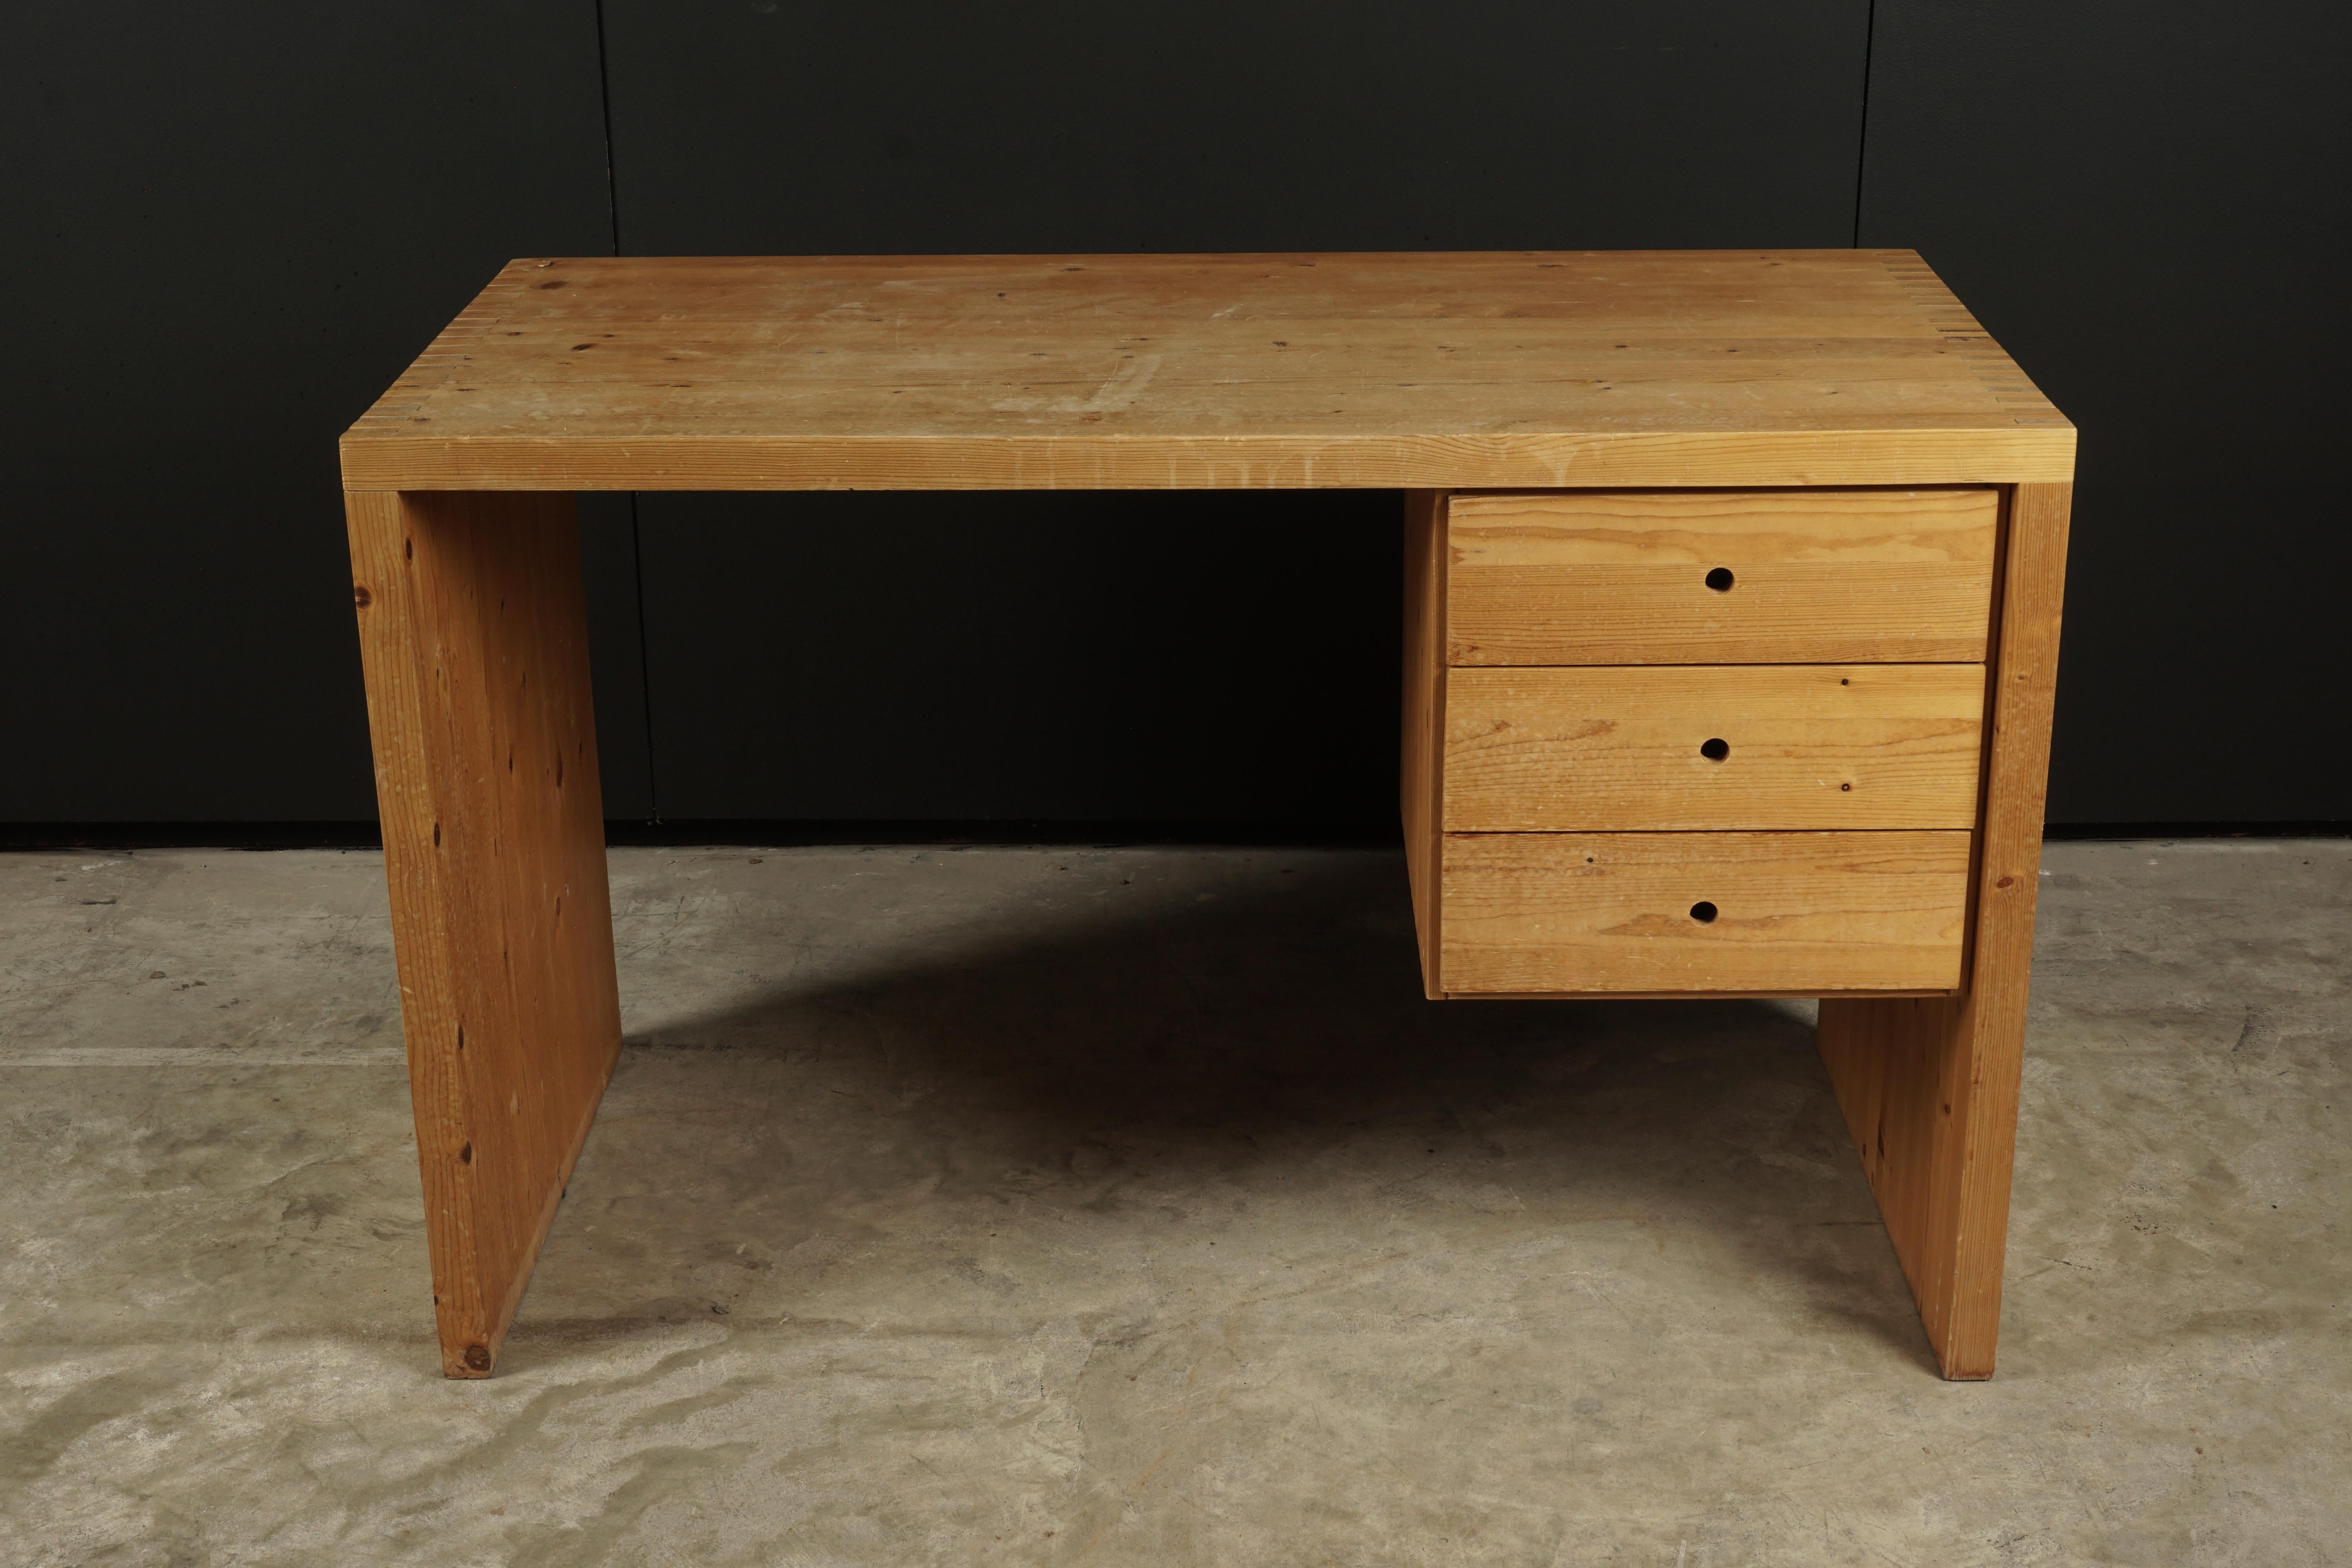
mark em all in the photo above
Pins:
pixel 1808 913
pixel 1769 746
pixel 1720 577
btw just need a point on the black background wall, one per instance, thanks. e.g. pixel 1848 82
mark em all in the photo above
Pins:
pixel 229 232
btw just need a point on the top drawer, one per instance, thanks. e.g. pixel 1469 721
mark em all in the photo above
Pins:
pixel 1720 576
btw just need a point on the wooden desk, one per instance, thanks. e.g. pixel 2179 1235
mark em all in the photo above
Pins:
pixel 1732 619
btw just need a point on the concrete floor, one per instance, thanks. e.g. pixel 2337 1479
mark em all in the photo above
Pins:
pixel 1130 1206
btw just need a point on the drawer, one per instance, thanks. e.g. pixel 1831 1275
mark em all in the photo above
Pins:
pixel 1804 913
pixel 1700 746
pixel 1798 577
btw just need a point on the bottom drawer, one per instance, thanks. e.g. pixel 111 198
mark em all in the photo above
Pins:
pixel 1807 913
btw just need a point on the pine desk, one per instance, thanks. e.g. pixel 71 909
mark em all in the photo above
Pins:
pixel 1733 587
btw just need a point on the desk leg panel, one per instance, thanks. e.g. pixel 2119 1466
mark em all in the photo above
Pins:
pixel 1929 1086
pixel 474 639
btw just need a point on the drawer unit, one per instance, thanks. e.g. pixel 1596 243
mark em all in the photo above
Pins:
pixel 1805 914
pixel 1700 742
pixel 1724 746
pixel 1719 576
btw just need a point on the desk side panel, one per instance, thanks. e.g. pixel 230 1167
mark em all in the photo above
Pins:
pixel 1929 1087
pixel 474 641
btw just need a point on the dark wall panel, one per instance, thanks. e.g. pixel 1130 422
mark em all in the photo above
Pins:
pixel 1070 656
pixel 1140 657
pixel 2146 205
pixel 791 128
pixel 230 227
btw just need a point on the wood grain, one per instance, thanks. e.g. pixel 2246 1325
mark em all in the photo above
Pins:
pixel 1929 1089
pixel 1804 746
pixel 1410 371
pixel 1816 577
pixel 1599 912
pixel 1421 794
pixel 473 638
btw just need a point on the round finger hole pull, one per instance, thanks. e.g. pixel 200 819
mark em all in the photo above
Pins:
pixel 1702 911
pixel 1715 751
pixel 1721 579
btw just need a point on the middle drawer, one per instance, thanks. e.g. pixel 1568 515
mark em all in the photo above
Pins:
pixel 1697 747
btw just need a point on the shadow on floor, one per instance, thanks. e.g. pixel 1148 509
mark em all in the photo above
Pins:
pixel 1262 1050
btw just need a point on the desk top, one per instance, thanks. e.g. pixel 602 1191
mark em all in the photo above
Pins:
pixel 1441 370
